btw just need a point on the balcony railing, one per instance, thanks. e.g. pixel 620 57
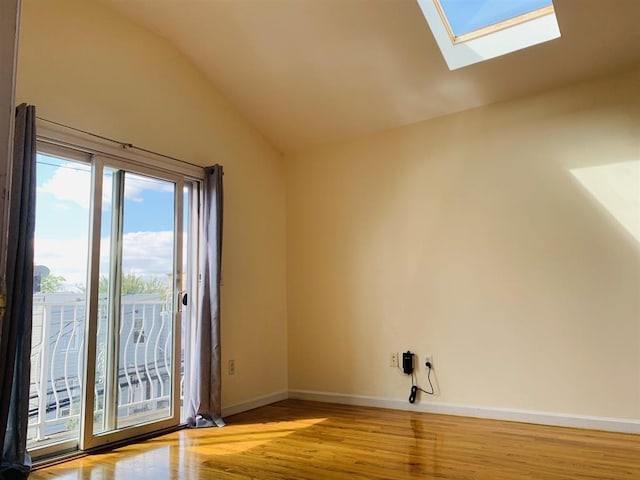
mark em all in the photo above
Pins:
pixel 57 363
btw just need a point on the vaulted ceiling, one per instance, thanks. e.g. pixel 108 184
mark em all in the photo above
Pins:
pixel 308 72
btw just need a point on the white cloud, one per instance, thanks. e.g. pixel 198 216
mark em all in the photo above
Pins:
pixel 71 185
pixel 144 253
pixel 134 185
pixel 67 258
pixel 148 254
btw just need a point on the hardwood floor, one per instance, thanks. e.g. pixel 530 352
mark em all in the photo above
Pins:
pixel 307 440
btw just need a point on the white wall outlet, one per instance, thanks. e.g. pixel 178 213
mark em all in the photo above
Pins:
pixel 393 360
pixel 428 358
pixel 232 367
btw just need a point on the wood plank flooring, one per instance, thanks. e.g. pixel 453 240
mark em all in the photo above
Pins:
pixel 308 440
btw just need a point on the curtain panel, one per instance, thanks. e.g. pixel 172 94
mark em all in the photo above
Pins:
pixel 15 335
pixel 203 388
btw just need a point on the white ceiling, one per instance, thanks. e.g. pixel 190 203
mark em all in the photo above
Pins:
pixel 308 72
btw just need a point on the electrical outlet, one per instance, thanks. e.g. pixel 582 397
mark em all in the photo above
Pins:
pixel 393 360
pixel 428 358
pixel 232 367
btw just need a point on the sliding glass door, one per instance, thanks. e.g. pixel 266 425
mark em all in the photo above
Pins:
pixel 136 277
pixel 106 349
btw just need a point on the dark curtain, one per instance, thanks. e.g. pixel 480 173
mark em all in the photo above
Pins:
pixel 202 392
pixel 15 340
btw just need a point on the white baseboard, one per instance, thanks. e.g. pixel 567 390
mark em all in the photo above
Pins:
pixel 255 403
pixel 563 420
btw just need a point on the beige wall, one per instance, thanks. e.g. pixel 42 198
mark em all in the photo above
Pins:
pixel 83 65
pixel 468 238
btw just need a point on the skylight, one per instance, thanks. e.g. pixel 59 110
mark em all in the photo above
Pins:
pixel 470 31
pixel 467 16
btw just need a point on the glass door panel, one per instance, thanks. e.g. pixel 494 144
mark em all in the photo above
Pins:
pixel 63 199
pixel 189 254
pixel 145 359
pixel 134 355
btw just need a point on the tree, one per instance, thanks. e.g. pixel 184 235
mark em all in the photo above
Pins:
pixel 51 283
pixel 132 283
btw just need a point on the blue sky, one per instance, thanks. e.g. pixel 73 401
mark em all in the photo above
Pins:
pixel 466 16
pixel 62 221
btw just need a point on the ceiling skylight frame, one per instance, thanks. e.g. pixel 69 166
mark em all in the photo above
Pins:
pixel 494 40
pixel 489 29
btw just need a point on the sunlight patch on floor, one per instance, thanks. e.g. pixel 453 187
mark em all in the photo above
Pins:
pixel 237 439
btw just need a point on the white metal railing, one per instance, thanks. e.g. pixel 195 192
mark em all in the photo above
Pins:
pixel 57 353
